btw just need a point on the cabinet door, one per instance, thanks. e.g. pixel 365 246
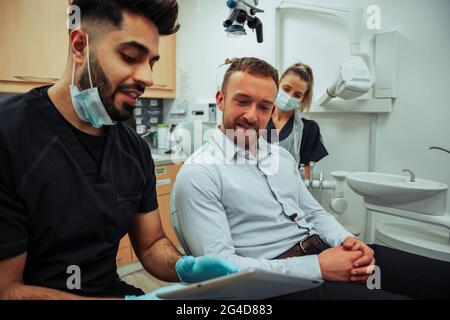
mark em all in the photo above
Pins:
pixel 165 177
pixel 164 212
pixel 164 72
pixel 33 40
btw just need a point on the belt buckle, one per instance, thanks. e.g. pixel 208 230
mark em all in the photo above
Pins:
pixel 304 240
pixel 301 245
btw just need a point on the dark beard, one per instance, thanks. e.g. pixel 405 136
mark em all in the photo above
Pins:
pixel 230 128
pixel 105 91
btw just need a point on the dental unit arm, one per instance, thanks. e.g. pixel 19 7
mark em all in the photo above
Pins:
pixel 353 78
pixel 337 203
pixel 242 12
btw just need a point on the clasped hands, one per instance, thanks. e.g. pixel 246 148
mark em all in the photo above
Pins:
pixel 362 266
pixel 352 261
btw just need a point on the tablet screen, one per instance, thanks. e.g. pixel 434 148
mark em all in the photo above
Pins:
pixel 252 284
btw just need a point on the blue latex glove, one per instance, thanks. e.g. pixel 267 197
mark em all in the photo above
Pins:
pixel 196 269
pixel 154 294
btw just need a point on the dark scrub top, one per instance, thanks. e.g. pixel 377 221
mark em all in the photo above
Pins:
pixel 67 198
pixel 311 148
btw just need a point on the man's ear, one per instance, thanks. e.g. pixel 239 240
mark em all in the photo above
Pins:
pixel 78 43
pixel 220 100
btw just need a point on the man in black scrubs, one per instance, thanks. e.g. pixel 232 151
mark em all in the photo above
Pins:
pixel 74 179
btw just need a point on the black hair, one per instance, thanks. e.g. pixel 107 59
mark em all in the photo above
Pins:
pixel 163 13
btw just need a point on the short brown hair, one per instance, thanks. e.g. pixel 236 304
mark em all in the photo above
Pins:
pixel 304 72
pixel 253 66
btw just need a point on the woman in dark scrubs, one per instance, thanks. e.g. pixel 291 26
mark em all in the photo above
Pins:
pixel 300 136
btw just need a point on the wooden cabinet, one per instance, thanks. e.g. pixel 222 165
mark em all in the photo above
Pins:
pixel 164 71
pixel 34 46
pixel 164 212
pixel 165 176
pixel 33 43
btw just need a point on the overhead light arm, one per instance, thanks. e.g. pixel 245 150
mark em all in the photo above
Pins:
pixel 353 79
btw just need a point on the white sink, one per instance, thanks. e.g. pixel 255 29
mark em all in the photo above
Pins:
pixel 397 191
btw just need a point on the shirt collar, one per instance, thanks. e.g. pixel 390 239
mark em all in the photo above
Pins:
pixel 230 149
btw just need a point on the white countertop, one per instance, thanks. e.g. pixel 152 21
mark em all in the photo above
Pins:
pixel 160 157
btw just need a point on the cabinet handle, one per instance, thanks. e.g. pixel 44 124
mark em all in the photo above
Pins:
pixel 160 85
pixel 36 79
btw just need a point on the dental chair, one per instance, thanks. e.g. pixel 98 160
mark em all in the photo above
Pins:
pixel 188 136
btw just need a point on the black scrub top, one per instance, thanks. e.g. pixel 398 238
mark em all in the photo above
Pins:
pixel 62 206
pixel 311 147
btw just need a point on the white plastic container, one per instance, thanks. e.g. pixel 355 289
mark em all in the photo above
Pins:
pixel 163 136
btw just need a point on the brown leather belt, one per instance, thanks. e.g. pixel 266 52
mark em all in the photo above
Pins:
pixel 311 245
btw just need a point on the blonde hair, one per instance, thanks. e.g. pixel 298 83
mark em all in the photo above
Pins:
pixel 304 72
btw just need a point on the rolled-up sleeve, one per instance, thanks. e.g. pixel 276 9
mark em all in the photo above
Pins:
pixel 205 227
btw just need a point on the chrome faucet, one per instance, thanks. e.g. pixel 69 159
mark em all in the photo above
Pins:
pixel 302 171
pixel 413 176
pixel 439 148
pixel 311 174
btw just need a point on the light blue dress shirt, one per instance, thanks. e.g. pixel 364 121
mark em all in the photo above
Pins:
pixel 250 209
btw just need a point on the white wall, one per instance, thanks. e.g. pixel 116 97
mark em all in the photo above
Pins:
pixel 202 46
pixel 421 111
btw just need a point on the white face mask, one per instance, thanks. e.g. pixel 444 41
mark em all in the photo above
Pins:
pixel 286 103
pixel 87 103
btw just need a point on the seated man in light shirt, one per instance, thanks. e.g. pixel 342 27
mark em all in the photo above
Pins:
pixel 243 199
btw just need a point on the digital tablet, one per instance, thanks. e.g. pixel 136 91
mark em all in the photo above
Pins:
pixel 252 284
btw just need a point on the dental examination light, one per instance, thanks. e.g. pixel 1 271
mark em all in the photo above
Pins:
pixel 242 12
pixel 353 79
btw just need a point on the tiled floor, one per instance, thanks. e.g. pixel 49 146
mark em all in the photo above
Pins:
pixel 143 280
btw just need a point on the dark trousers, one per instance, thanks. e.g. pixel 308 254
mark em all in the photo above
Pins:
pixel 403 276
pixel 120 289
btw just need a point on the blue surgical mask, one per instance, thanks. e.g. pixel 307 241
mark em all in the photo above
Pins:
pixel 285 102
pixel 87 103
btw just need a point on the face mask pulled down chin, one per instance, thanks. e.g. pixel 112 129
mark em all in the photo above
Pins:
pixel 87 103
pixel 286 103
